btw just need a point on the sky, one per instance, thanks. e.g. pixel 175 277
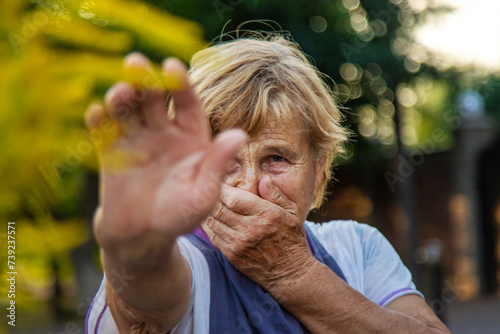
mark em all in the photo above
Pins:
pixel 470 34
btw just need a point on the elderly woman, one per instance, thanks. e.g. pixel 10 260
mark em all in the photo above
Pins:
pixel 203 225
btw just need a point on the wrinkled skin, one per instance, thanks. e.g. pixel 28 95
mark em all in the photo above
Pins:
pixel 258 223
pixel 159 177
pixel 167 181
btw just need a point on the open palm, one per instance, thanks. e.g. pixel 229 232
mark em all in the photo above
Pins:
pixel 160 177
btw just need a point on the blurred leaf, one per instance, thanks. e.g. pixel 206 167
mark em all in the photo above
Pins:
pixel 55 58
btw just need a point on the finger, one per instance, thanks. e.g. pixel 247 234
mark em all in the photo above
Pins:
pixel 151 100
pixel 103 130
pixel 187 106
pixel 269 191
pixel 221 151
pixel 140 72
pixel 153 109
pixel 94 115
pixel 121 104
pixel 226 216
pixel 241 201
pixel 220 234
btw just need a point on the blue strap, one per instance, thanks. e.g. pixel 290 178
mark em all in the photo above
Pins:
pixel 238 304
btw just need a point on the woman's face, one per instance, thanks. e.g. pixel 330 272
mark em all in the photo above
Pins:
pixel 281 151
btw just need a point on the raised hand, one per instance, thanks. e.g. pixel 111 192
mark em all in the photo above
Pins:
pixel 160 177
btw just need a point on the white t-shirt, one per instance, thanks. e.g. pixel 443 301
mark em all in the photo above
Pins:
pixel 369 263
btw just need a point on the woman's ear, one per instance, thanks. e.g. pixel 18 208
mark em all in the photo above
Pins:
pixel 320 171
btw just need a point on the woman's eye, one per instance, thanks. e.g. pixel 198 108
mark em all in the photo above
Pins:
pixel 277 158
pixel 276 164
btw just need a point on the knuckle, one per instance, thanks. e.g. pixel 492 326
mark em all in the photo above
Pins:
pixel 232 256
pixel 209 222
pixel 255 235
pixel 276 215
pixel 283 215
pixel 120 93
pixel 218 212
pixel 120 112
pixel 242 241
pixel 275 196
pixel 232 202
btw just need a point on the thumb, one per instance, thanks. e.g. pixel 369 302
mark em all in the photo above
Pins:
pixel 270 192
pixel 221 151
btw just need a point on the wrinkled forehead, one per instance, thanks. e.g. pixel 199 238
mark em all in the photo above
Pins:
pixel 293 126
pixel 287 131
pixel 258 121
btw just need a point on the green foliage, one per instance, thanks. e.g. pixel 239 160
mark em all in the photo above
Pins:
pixel 55 58
pixel 364 46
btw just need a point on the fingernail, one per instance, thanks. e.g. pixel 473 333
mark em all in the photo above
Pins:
pixel 174 74
pixel 269 183
pixel 136 59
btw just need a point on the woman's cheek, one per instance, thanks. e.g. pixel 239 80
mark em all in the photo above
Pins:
pixel 294 184
pixel 277 168
pixel 284 181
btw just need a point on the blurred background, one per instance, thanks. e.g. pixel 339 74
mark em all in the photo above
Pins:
pixel 420 84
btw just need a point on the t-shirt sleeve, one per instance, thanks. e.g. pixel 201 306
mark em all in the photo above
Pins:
pixel 100 320
pixel 386 277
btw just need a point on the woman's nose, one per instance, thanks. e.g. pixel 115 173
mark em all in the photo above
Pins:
pixel 246 179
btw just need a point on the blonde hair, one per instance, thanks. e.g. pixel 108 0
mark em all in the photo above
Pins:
pixel 249 81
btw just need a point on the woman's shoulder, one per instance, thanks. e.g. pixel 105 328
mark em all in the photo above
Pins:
pixel 340 229
pixel 347 238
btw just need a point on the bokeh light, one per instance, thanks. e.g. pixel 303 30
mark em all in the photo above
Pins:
pixel 318 24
